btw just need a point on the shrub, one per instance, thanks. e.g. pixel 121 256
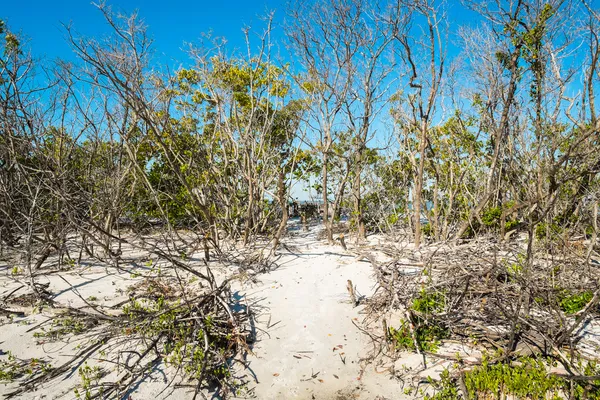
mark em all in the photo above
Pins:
pixel 491 216
pixel 428 333
pixel 427 230
pixel 525 378
pixel 509 225
pixel 544 230
pixel 571 303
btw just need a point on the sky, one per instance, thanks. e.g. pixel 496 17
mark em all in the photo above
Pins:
pixel 170 23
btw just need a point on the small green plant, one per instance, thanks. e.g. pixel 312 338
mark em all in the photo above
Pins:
pixel 90 378
pixel 544 231
pixel 571 303
pixel 92 298
pixel 524 378
pixel 178 351
pixel 429 302
pixel 402 337
pixel 15 271
pixel 515 270
pixel 13 368
pixel 8 369
pixel 65 325
pixel 491 216
pixel 428 333
pixel 445 388
pixel 589 231
pixel 428 336
pixel 427 230
pixel 393 219
pixel 510 225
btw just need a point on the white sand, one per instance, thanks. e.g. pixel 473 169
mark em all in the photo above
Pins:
pixel 305 327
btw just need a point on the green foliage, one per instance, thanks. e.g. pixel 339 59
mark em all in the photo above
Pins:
pixel 8 369
pixel 392 219
pixel 589 231
pixel 11 42
pixel 428 333
pixel 402 337
pixel 509 225
pixel 544 231
pixel 429 302
pixel 184 342
pixel 491 216
pixel 12 368
pixel 445 388
pixel 65 325
pixel 427 230
pixel 571 303
pixel 90 378
pixel 526 380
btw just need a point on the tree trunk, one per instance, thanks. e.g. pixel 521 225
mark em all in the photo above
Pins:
pixel 419 185
pixel 500 135
pixel 326 222
pixel 281 197
pixel 356 189
pixel 249 214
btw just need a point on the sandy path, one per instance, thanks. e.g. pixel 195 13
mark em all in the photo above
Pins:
pixel 308 347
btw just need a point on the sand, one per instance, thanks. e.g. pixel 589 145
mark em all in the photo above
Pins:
pixel 308 344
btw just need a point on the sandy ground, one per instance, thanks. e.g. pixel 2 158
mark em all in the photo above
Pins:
pixel 308 344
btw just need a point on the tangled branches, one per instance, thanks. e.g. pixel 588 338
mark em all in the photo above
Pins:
pixel 176 317
pixel 510 300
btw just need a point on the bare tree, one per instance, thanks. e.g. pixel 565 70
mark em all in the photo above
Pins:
pixel 425 56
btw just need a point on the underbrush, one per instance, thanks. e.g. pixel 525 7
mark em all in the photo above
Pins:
pixel 527 307
pixel 64 325
pixel 418 330
pixel 524 378
pixel 12 368
pixel 190 327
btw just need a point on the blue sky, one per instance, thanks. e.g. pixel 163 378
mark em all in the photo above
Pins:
pixel 170 23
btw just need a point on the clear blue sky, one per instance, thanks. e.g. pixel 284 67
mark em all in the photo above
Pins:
pixel 170 23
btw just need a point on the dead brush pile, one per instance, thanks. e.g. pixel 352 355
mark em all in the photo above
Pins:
pixel 514 301
pixel 178 317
